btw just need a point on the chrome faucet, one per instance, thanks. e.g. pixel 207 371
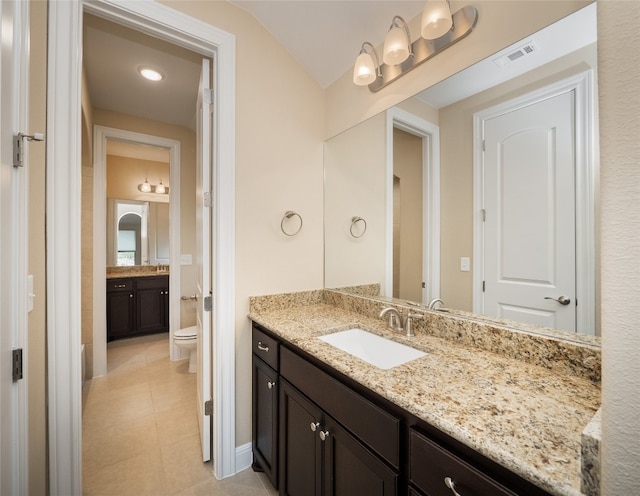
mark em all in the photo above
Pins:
pixel 395 320
pixel 433 303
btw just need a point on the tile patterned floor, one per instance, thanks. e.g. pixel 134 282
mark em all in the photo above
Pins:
pixel 140 430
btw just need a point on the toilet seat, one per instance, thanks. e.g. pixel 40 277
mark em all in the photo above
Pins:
pixel 186 333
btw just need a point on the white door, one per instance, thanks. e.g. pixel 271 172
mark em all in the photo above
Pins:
pixel 203 255
pixel 529 202
pixel 13 247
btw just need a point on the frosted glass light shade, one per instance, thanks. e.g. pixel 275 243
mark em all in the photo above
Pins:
pixel 160 189
pixel 396 46
pixel 364 71
pixel 436 19
pixel 145 187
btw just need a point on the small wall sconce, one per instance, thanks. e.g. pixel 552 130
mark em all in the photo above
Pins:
pixel 439 30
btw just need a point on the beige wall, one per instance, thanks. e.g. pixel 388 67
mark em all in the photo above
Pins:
pixel 124 174
pixel 36 353
pixel 355 171
pixel 619 84
pixel 279 133
pixel 187 140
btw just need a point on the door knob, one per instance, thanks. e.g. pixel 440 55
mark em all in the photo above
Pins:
pixel 563 300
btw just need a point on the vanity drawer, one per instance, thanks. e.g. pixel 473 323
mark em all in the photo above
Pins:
pixel 430 465
pixel 153 282
pixel 369 423
pixel 119 285
pixel 265 348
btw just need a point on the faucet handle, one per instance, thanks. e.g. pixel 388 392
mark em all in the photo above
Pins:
pixel 409 323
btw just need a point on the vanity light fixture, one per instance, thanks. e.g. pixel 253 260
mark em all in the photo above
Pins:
pixel 160 188
pixel 150 73
pixel 145 187
pixel 436 19
pixel 439 29
pixel 365 71
pixel 397 43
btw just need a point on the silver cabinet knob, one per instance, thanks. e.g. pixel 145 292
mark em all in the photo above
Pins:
pixel 324 435
pixel 563 300
pixel 448 481
pixel 270 384
pixel 314 426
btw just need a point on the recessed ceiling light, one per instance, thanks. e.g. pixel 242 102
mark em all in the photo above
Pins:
pixel 150 74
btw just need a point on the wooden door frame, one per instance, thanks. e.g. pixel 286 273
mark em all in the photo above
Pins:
pixel 63 223
pixel 585 179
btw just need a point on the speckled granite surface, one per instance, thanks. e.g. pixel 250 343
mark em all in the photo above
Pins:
pixel 137 271
pixel 591 437
pixel 513 409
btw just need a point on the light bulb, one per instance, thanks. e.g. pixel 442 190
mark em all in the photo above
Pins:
pixel 436 19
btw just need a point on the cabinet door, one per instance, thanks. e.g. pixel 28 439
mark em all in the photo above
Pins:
pixel 351 469
pixel 265 419
pixel 300 447
pixel 119 314
pixel 150 305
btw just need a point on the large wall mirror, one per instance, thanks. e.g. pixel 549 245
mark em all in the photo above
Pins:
pixel 137 208
pixel 409 204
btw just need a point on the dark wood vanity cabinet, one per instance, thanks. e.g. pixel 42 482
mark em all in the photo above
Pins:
pixel 120 306
pixel 265 405
pixel 137 306
pixel 438 472
pixel 334 437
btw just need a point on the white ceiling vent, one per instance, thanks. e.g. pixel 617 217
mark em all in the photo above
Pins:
pixel 516 54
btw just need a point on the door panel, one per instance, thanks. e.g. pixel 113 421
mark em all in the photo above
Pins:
pixel 529 199
pixel 203 256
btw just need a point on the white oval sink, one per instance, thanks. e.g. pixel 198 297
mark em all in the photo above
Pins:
pixel 376 350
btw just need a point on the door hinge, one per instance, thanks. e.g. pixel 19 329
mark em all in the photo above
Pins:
pixel 207 97
pixel 483 286
pixel 483 214
pixel 206 199
pixel 18 146
pixel 208 408
pixel 424 285
pixel 17 364
pixel 484 146
pixel 207 303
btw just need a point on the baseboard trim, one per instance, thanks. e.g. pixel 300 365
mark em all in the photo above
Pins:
pixel 244 457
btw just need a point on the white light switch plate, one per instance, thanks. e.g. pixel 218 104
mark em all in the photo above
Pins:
pixel 465 264
pixel 186 259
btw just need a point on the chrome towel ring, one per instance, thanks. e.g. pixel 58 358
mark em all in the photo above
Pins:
pixel 287 215
pixel 354 222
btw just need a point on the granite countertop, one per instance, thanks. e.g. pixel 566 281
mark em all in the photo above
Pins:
pixel 523 416
pixel 137 271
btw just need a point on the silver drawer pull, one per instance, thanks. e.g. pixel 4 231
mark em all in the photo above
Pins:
pixel 262 347
pixel 270 384
pixel 448 481
pixel 120 285
pixel 324 435
pixel 314 426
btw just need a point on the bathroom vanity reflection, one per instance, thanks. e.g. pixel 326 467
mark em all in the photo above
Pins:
pixel 358 165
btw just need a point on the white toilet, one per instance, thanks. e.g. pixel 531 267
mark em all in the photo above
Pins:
pixel 187 339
